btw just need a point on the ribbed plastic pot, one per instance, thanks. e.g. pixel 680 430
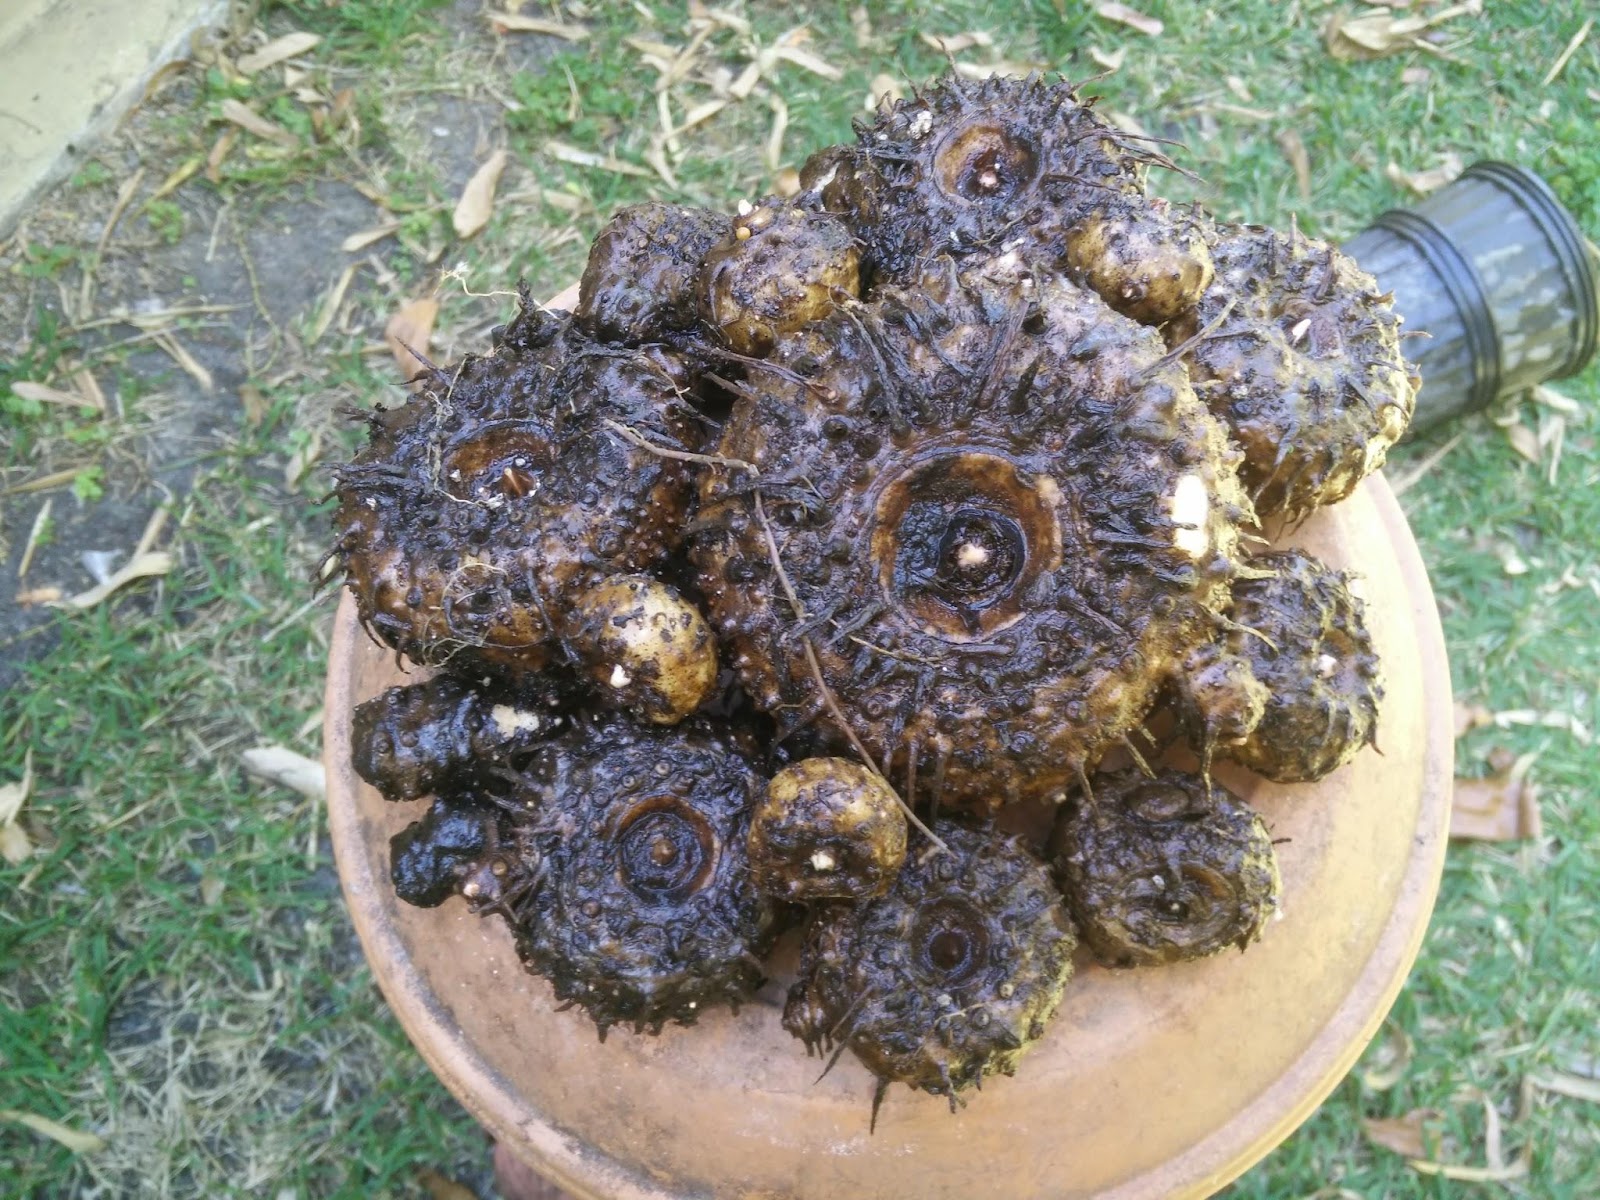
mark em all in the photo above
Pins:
pixel 1499 276
pixel 1159 1084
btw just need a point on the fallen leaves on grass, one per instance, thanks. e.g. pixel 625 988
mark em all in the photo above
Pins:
pixel 36 532
pixel 1294 149
pixel 290 45
pixel 1503 807
pixel 280 765
pixel 1108 60
pixel 1510 717
pixel 1578 1087
pixel 367 237
pixel 953 44
pixel 15 844
pixel 43 393
pixel 192 367
pixel 505 22
pixel 1565 57
pixel 1470 717
pixel 1392 1059
pixel 442 1187
pixel 248 119
pixel 150 564
pixel 1409 1135
pixel 73 1139
pixel 562 152
pixel 1421 183
pixel 409 332
pixel 1495 1169
pixel 1376 33
pixel 143 563
pixel 476 205
pixel 1132 18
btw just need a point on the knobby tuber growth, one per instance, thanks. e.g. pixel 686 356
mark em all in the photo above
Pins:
pixel 827 536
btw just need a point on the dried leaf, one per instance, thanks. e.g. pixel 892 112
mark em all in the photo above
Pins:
pixel 476 205
pixel 331 304
pixel 1579 1087
pixel 210 890
pixel 219 152
pixel 15 844
pixel 191 365
pixel 1470 717
pixel 72 1139
pixel 35 532
pixel 89 388
pixel 1393 1058
pixel 1003 68
pixel 440 1187
pixel 562 152
pixel 140 566
pixel 1294 149
pixel 1238 88
pixel 1416 76
pixel 367 237
pixel 861 25
pixel 302 460
pixel 280 765
pixel 884 89
pixel 1108 61
pixel 808 61
pixel 1422 183
pixel 38 595
pixel 411 328
pixel 1375 34
pixel 45 394
pixel 250 121
pixel 1510 717
pixel 1504 807
pixel 1132 18
pixel 1548 397
pixel 1408 1135
pixel 1566 55
pixel 1524 441
pixel 953 44
pixel 290 45
pixel 505 22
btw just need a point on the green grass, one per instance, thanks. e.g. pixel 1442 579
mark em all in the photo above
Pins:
pixel 176 970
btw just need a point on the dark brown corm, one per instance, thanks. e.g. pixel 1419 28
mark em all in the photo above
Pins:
pixel 645 912
pixel 1004 519
pixel 1300 642
pixel 945 979
pixel 1293 346
pixel 924 491
pixel 1164 870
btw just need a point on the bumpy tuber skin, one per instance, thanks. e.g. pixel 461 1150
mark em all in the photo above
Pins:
pixel 779 268
pixel 1300 633
pixel 945 979
pixel 1293 346
pixel 644 647
pixel 646 912
pixel 440 855
pixel 410 740
pixel 974 168
pixel 507 484
pixel 1004 517
pixel 828 828
pixel 1144 259
pixel 640 280
pixel 1164 870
